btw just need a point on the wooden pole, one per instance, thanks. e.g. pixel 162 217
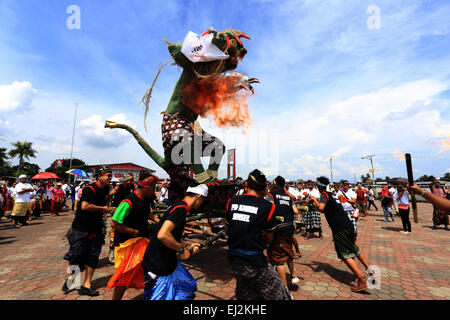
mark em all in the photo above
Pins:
pixel 411 182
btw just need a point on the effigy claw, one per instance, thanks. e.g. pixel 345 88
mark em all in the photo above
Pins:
pixel 110 124
pixel 205 33
pixel 253 80
pixel 244 87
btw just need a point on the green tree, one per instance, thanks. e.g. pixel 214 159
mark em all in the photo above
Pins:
pixel 61 171
pixel 29 169
pixel 365 178
pixel 425 178
pixel 23 150
pixel 446 177
pixel 5 166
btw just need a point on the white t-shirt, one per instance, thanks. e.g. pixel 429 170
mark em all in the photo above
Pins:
pixel 65 188
pixel 48 194
pixel 303 193
pixel 371 196
pixel 32 194
pixel 10 191
pixel 351 195
pixel 404 199
pixel 393 191
pixel 22 197
pixel 313 193
pixel 162 195
pixel 294 192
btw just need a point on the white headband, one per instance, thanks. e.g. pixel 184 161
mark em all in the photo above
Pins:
pixel 200 189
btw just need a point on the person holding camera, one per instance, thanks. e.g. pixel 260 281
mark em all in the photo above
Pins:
pixel 439 216
pixel 441 203
pixel 401 196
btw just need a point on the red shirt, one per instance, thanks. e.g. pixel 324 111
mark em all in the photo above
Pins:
pixel 385 192
pixel 359 195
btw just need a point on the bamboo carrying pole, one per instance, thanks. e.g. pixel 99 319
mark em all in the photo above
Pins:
pixel 411 182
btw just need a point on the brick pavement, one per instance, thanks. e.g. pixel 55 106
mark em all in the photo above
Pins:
pixel 412 266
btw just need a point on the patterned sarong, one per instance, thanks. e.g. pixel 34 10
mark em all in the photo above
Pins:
pixel 313 220
pixel 353 220
pixel 259 283
pixel 179 285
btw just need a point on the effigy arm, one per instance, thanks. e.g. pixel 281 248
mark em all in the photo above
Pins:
pixel 160 161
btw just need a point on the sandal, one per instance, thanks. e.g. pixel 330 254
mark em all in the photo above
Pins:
pixel 88 291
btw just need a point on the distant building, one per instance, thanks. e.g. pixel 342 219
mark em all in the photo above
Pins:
pixel 121 169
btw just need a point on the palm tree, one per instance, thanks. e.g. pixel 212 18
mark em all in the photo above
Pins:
pixel 23 150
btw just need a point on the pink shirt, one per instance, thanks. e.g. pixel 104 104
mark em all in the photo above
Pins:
pixel 78 195
pixel 438 191
pixel 57 194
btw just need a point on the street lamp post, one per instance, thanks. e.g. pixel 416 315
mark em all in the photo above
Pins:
pixel 371 163
pixel 73 136
pixel 331 166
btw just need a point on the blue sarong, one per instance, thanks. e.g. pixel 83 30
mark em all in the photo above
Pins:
pixel 179 285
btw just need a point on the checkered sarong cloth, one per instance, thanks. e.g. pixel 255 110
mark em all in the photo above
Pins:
pixel 353 220
pixel 259 283
pixel 313 220
pixel 175 130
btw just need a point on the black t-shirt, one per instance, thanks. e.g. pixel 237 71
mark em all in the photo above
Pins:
pixel 136 219
pixel 158 258
pixel 283 209
pixel 122 193
pixel 247 217
pixel 386 201
pixel 336 217
pixel 91 221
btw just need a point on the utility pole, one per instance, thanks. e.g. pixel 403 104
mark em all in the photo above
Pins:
pixel 369 157
pixel 331 165
pixel 73 136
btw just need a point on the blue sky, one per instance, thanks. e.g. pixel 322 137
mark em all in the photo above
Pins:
pixel 330 85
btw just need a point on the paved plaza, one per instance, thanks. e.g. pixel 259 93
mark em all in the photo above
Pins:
pixel 412 266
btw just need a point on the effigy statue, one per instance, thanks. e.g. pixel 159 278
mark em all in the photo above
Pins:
pixel 207 87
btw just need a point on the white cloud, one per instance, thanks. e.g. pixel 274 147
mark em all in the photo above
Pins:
pixel 16 95
pixel 95 134
pixel 379 122
pixel 57 148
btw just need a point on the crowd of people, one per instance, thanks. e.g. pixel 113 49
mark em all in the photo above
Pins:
pixel 261 222
pixel 23 201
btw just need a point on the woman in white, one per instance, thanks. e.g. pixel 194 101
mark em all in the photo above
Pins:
pixel 402 199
